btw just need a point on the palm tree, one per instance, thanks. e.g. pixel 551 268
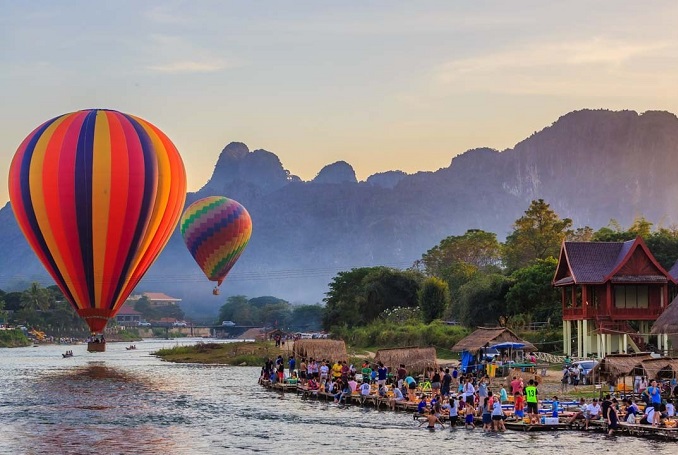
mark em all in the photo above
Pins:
pixel 35 298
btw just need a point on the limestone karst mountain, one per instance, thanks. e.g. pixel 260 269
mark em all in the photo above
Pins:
pixel 590 165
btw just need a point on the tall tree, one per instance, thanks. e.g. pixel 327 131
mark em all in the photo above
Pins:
pixel 434 298
pixel 36 298
pixel 536 235
pixel 482 300
pixel 531 291
pixel 456 259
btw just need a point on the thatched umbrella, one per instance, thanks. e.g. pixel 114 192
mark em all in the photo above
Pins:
pixel 320 349
pixel 415 359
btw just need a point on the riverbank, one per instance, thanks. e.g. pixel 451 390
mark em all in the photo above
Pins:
pixel 13 339
pixel 246 353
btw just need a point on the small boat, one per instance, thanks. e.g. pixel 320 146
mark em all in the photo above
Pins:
pixel 67 354
pixel 129 348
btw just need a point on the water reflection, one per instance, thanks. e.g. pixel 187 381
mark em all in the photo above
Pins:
pixel 128 402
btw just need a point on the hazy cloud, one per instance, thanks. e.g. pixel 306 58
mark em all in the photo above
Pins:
pixel 605 65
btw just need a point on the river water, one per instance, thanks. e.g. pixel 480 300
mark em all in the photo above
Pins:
pixel 129 402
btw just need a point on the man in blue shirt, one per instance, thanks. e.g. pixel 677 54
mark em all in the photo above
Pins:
pixel 655 395
pixel 292 364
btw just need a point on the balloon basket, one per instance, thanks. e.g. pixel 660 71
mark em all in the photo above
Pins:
pixel 216 291
pixel 96 347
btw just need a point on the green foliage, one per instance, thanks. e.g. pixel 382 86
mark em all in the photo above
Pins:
pixel 387 334
pixel 532 292
pixel 482 300
pixel 359 296
pixel 537 235
pixel 457 259
pixel 434 298
pixel 13 338
pixel 401 315
pixel 271 312
pixel 151 312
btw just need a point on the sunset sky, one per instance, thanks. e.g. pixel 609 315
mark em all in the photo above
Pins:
pixel 380 84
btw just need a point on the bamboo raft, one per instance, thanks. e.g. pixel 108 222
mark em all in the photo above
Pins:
pixel 627 429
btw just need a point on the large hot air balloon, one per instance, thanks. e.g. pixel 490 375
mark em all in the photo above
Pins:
pixel 216 231
pixel 97 193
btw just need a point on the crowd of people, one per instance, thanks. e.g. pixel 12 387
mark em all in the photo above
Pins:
pixel 445 394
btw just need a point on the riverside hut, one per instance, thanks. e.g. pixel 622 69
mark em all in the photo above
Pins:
pixel 320 349
pixel 662 368
pixel 415 359
pixel 475 346
pixel 615 366
pixel 666 325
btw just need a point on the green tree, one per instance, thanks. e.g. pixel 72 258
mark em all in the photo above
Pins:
pixel 531 292
pixel 482 300
pixel 307 318
pixel 434 298
pixel 36 298
pixel 664 246
pixel 536 235
pixel 237 309
pixel 359 296
pixel 344 298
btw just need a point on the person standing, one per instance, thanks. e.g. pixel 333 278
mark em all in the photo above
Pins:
pixel 469 390
pixel 612 417
pixel 446 383
pixel 532 400
pixel 655 395
pixel 382 372
pixel 292 364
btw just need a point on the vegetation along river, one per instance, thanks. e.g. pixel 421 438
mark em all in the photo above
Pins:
pixel 129 402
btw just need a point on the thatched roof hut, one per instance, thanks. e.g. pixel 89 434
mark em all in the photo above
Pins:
pixel 661 368
pixel 320 349
pixel 415 359
pixel 484 337
pixel 667 322
pixel 615 366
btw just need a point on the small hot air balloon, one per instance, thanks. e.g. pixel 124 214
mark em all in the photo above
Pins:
pixel 216 231
pixel 97 194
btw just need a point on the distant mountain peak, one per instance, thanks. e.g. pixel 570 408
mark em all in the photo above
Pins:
pixel 339 172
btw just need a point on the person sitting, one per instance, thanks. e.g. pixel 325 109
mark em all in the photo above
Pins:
pixel 397 397
pixel 581 414
pixel 422 407
pixel 594 413
pixel 631 411
pixel 364 391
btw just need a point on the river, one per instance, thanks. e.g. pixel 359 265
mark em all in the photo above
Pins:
pixel 130 402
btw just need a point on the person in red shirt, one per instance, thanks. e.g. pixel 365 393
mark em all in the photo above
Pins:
pixel 519 405
pixel 516 385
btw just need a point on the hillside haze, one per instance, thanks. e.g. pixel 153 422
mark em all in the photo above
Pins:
pixel 591 166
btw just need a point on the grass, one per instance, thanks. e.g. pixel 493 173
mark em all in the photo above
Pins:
pixel 246 353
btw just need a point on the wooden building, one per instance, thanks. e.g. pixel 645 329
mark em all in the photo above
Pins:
pixel 612 292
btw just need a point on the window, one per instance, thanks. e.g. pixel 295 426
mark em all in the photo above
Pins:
pixel 631 296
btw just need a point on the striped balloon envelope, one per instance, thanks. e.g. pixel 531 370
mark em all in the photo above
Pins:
pixel 97 194
pixel 216 230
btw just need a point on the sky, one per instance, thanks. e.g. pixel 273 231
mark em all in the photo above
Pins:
pixel 382 85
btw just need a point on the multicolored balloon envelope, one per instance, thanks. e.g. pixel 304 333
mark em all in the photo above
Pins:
pixel 216 231
pixel 97 193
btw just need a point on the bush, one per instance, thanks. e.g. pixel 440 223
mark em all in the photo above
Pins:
pixel 13 338
pixel 386 334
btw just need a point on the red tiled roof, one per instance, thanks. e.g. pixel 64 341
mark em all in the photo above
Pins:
pixel 155 296
pixel 127 310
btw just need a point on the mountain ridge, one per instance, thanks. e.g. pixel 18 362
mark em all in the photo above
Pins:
pixel 590 165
